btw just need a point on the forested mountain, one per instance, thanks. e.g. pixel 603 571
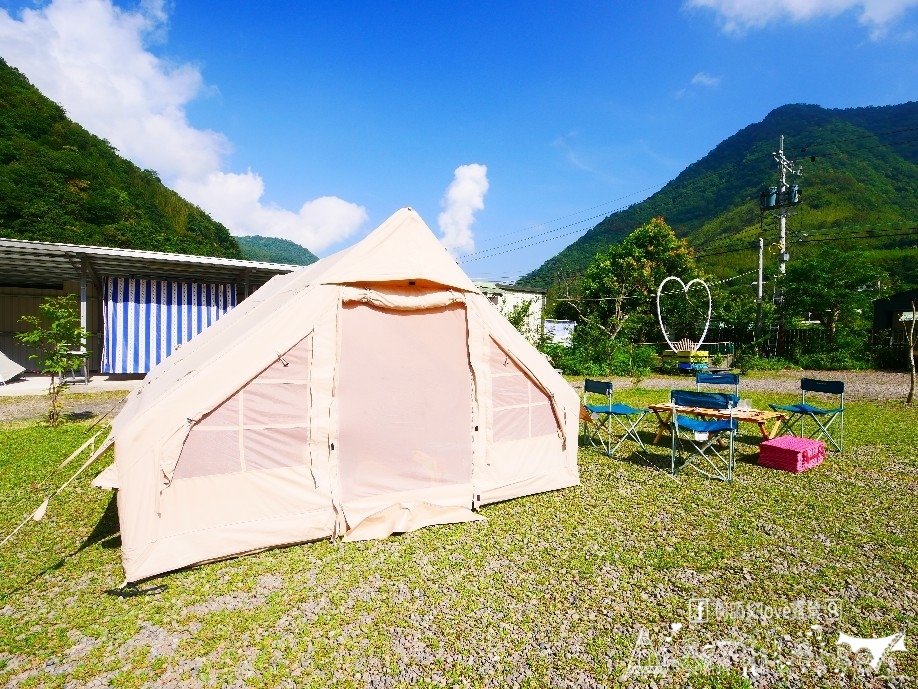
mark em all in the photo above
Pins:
pixel 59 183
pixel 274 250
pixel 859 192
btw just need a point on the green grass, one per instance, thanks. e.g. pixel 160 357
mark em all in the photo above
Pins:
pixel 568 588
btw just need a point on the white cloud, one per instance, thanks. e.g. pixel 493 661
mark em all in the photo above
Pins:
pixel 92 58
pixel 235 200
pixel 737 16
pixel 464 196
pixel 705 79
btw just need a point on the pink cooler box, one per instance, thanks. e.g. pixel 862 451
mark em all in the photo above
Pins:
pixel 790 453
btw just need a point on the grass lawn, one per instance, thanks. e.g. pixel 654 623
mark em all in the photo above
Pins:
pixel 587 587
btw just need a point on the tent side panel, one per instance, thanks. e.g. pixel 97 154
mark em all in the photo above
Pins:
pixel 225 501
pixel 529 411
pixel 264 425
pixel 245 466
pixel 216 517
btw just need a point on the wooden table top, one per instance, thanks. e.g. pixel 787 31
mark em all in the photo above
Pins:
pixel 751 415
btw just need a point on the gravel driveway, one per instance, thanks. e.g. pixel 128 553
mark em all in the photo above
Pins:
pixel 859 385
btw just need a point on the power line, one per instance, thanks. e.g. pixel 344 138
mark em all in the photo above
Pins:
pixel 557 232
pixel 556 229
pixel 847 228
pixel 912 231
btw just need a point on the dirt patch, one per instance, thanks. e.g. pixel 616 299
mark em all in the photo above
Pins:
pixel 76 406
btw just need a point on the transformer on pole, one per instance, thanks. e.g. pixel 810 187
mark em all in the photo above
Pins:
pixel 781 199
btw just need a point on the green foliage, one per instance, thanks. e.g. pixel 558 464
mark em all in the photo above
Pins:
pixel 747 359
pixel 846 349
pixel 59 183
pixel 718 677
pixel 56 334
pixel 275 250
pixel 616 300
pixel 617 293
pixel 518 316
pixel 616 359
pixel 864 177
pixel 834 287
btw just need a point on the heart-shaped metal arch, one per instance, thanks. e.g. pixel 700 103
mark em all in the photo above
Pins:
pixel 685 288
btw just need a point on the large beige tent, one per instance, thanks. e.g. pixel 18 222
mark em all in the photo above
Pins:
pixel 376 391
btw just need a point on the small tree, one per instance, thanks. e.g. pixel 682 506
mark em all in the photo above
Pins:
pixel 617 293
pixel 55 334
pixel 910 338
pixel 519 318
pixel 834 287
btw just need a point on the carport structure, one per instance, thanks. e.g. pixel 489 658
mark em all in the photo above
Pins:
pixel 137 305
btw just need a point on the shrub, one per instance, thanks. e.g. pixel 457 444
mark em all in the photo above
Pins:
pixel 55 334
pixel 747 359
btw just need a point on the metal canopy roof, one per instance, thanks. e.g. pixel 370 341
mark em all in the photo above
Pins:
pixel 25 264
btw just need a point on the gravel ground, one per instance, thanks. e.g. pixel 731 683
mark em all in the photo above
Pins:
pixel 78 406
pixel 859 385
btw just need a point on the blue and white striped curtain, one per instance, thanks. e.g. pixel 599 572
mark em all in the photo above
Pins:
pixel 146 320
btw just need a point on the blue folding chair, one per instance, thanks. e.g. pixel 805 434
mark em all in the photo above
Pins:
pixel 702 378
pixel 822 418
pixel 694 440
pixel 625 417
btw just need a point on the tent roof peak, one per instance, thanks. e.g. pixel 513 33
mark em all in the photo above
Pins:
pixel 402 248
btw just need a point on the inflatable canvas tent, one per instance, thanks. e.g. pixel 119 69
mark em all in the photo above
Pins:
pixel 375 391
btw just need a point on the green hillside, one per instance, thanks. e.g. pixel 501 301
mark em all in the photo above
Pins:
pixel 59 183
pixel 859 192
pixel 274 250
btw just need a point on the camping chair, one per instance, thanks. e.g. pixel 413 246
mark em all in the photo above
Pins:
pixel 823 418
pixel 625 416
pixel 702 378
pixel 78 374
pixel 694 440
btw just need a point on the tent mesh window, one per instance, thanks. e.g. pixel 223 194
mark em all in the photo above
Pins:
pixel 521 410
pixel 263 426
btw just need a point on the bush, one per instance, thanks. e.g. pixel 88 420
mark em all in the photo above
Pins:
pixel 747 359
pixel 617 360
pixel 56 335
pixel 847 350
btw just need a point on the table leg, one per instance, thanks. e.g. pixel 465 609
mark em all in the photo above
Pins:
pixel 663 425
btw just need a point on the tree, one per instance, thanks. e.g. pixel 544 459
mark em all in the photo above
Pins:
pixel 910 339
pixel 518 316
pixel 833 287
pixel 617 293
pixel 56 334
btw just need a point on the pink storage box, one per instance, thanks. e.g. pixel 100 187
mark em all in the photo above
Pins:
pixel 790 453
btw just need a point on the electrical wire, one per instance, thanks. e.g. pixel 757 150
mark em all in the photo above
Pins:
pixel 559 233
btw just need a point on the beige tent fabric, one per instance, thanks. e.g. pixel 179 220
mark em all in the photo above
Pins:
pixel 373 392
pixel 9 369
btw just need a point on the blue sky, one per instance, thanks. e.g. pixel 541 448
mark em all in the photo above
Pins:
pixel 511 127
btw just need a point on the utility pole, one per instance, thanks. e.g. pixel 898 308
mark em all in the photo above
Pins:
pixel 779 200
pixel 784 201
pixel 758 297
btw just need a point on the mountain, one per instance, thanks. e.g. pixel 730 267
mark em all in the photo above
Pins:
pixel 59 183
pixel 274 250
pixel 859 191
